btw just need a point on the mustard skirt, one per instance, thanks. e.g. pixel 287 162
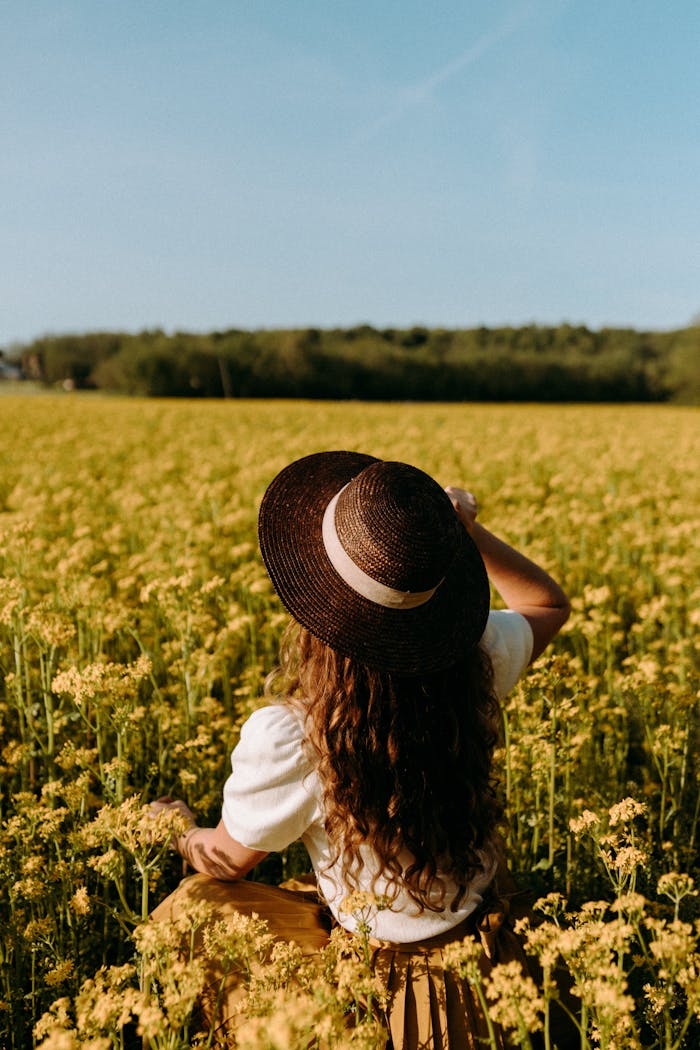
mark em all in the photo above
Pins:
pixel 429 1007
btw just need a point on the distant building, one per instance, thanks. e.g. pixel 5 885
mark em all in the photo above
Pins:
pixel 8 369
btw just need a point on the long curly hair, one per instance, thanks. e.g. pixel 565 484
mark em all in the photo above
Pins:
pixel 404 763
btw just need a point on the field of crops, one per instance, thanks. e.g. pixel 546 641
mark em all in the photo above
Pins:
pixel 136 630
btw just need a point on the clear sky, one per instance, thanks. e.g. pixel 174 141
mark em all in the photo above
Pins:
pixel 201 164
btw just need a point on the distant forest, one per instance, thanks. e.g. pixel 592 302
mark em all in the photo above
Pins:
pixel 530 363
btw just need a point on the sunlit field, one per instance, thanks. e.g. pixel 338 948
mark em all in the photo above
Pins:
pixel 137 627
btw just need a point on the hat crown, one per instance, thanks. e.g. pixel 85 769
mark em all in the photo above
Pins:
pixel 371 558
pixel 398 526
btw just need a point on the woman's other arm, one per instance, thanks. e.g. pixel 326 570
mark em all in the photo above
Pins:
pixel 523 585
pixel 211 851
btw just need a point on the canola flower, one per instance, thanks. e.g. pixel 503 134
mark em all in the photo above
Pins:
pixel 137 627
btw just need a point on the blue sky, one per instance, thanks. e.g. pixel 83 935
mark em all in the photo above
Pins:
pixel 209 164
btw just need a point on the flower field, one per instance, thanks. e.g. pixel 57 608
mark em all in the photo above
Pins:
pixel 137 627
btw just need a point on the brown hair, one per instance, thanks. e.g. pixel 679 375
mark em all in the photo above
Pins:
pixel 404 762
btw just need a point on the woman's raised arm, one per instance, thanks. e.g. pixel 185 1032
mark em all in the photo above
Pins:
pixel 523 585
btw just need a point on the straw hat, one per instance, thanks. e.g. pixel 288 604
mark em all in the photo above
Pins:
pixel 371 557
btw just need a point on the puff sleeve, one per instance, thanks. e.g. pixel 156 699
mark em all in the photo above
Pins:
pixel 508 640
pixel 270 798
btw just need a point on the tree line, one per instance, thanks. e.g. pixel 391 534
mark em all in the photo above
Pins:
pixel 529 363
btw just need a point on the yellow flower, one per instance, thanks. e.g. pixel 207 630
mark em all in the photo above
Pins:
pixel 515 1001
pixel 59 973
pixel 80 901
pixel 585 823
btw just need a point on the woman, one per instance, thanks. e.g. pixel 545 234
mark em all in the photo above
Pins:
pixel 378 757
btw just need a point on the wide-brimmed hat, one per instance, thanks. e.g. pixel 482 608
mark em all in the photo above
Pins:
pixel 371 557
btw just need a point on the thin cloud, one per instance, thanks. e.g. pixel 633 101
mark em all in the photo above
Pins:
pixel 422 89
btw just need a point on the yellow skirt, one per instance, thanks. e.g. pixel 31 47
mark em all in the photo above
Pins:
pixel 429 1008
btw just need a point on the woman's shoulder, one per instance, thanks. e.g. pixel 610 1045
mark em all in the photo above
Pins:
pixel 275 717
pixel 275 725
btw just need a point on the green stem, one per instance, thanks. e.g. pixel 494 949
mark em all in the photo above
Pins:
pixel 131 915
pixel 485 1010
pixel 664 793
pixel 49 711
pixel 546 985
pixel 682 1031
pixel 20 705
pixel 119 786
pixel 524 1035
pixel 694 825
pixel 535 845
pixel 143 872
pixel 585 1044
pixel 509 774
pixel 552 786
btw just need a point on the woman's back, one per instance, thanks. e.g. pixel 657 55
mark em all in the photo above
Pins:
pixel 391 794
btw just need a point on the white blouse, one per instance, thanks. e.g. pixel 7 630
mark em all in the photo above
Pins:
pixel 272 797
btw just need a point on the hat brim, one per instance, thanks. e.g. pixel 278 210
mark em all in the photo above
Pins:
pixel 414 641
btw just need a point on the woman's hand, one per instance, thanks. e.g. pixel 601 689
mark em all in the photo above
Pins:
pixel 465 505
pixel 166 804
pixel 209 850
pixel 173 805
